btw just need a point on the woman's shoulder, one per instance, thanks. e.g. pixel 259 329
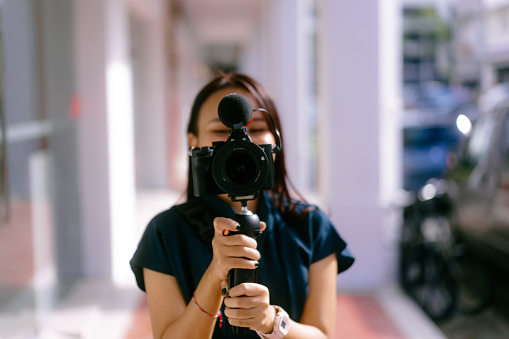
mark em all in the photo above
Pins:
pixel 170 219
pixel 306 212
pixel 181 219
pixel 169 214
pixel 178 210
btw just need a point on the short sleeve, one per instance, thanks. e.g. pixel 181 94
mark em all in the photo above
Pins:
pixel 151 252
pixel 326 240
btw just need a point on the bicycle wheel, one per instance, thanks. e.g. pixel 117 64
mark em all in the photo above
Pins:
pixel 425 277
pixel 476 286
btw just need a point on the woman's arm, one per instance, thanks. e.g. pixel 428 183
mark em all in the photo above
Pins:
pixel 169 314
pixel 319 316
pixel 248 305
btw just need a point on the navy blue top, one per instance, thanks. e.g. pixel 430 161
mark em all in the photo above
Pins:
pixel 169 245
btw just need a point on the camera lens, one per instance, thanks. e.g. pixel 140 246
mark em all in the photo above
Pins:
pixel 240 168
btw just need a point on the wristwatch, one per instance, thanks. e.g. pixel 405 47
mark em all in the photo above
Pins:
pixel 281 325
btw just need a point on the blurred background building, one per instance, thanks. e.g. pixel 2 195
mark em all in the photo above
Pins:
pixel 95 96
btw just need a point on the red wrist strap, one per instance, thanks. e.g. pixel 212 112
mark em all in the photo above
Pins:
pixel 219 315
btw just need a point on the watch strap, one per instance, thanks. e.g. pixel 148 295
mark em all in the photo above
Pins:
pixel 281 325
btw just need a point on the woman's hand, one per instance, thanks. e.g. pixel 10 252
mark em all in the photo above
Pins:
pixel 248 305
pixel 234 251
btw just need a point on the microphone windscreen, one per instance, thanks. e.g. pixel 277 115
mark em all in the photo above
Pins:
pixel 233 109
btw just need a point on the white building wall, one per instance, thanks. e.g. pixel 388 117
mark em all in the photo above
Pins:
pixel 496 41
pixel 359 105
pixel 359 79
pixel 148 37
pixel 280 58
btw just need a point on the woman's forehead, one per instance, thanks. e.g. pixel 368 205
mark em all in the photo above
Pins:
pixel 209 107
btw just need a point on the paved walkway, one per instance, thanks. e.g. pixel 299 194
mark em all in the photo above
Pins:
pixel 97 309
pixel 360 316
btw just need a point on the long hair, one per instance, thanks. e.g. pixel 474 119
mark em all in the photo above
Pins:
pixel 280 193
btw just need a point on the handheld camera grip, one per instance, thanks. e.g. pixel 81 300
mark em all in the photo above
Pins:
pixel 250 226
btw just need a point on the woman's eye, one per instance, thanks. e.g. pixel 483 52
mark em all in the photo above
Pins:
pixel 220 131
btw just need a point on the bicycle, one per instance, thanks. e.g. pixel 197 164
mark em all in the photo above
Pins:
pixel 434 267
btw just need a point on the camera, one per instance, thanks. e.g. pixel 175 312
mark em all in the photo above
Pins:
pixel 237 166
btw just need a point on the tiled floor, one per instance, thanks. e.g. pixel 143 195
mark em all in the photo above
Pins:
pixel 358 316
pixel 140 326
pixel 97 309
pixel 16 250
pixel 362 317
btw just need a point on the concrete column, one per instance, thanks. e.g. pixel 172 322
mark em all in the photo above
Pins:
pixel 149 74
pixel 280 57
pixel 358 94
pixel 105 136
pixel 55 31
pixel 93 160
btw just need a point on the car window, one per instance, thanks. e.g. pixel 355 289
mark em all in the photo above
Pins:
pixel 430 135
pixel 480 140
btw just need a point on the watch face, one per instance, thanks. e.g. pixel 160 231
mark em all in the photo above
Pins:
pixel 284 326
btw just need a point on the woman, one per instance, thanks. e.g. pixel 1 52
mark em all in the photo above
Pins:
pixel 184 256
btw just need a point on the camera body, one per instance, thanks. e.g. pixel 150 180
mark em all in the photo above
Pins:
pixel 237 167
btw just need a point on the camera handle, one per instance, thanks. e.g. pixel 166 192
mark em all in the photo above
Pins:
pixel 250 226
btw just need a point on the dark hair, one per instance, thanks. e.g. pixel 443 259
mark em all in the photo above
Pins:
pixel 280 194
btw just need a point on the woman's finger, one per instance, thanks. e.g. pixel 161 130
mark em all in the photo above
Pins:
pixel 237 240
pixel 242 313
pixel 246 302
pixel 248 305
pixel 242 252
pixel 263 226
pixel 224 225
pixel 248 289
pixel 247 264
pixel 224 287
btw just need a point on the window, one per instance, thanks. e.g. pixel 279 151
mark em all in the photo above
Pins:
pixel 504 140
pixel 479 143
pixel 503 75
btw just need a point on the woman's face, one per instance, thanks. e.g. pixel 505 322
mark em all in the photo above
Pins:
pixel 211 129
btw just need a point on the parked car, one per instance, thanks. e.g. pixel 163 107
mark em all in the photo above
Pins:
pixel 426 145
pixel 478 182
pixel 429 136
pixel 455 232
pixel 431 129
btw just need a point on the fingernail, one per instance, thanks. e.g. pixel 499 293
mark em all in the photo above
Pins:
pixel 237 227
pixel 257 264
pixel 223 292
